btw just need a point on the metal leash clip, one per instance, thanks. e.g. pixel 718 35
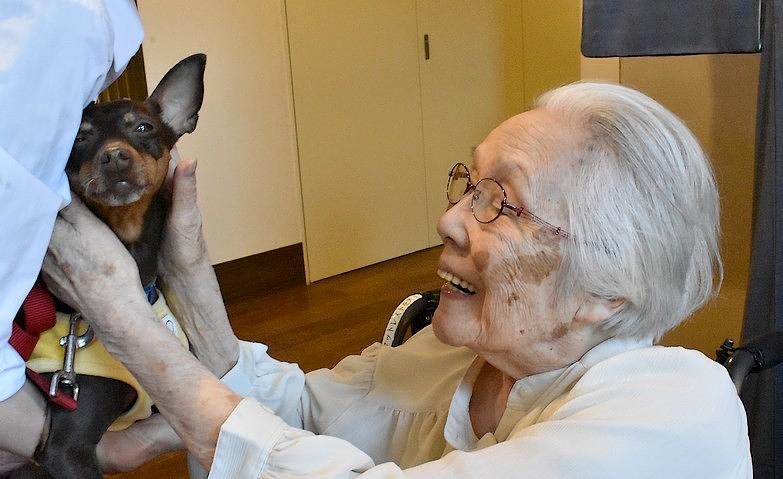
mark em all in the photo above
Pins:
pixel 73 341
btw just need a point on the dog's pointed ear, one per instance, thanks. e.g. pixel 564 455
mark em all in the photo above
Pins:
pixel 180 93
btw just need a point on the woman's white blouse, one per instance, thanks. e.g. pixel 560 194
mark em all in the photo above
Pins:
pixel 626 409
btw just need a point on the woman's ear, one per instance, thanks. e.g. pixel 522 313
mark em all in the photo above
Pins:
pixel 595 309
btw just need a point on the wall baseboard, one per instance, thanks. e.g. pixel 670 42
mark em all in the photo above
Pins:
pixel 260 273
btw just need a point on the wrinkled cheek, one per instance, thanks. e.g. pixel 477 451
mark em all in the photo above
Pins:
pixel 508 298
pixel 518 301
pixel 537 259
pixel 508 311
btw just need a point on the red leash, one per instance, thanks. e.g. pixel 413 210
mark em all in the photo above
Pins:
pixel 39 315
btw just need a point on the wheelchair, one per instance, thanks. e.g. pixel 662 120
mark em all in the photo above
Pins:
pixel 415 313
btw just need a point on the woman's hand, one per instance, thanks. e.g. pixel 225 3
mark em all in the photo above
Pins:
pixel 188 280
pixel 88 267
pixel 183 245
pixel 140 443
pixel 9 462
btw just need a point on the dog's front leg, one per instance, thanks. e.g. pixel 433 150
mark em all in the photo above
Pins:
pixel 70 448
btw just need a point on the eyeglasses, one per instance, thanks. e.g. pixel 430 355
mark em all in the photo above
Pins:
pixel 489 199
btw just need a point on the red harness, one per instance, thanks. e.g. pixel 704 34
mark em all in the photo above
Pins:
pixel 39 315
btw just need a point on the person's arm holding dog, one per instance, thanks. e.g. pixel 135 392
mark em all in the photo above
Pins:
pixel 188 280
pixel 84 252
pixel 189 283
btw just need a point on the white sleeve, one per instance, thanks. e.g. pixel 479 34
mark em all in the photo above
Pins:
pixel 276 384
pixel 254 443
pixel 657 425
pixel 308 401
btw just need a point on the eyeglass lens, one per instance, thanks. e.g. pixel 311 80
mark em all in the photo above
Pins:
pixel 459 183
pixel 487 198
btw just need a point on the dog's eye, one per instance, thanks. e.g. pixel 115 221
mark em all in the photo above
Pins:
pixel 80 138
pixel 144 127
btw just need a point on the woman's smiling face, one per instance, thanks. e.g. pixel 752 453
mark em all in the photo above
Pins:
pixel 512 264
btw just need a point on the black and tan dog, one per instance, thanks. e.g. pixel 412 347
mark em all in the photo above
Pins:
pixel 118 165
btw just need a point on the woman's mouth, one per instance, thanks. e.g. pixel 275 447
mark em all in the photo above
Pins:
pixel 457 282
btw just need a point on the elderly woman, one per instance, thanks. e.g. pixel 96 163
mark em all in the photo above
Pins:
pixel 583 231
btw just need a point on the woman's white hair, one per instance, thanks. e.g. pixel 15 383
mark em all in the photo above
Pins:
pixel 643 210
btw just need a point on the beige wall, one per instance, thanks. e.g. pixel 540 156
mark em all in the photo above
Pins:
pixel 551 37
pixel 245 140
pixel 600 69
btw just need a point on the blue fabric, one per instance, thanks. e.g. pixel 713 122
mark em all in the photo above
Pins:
pixel 152 293
pixel 55 56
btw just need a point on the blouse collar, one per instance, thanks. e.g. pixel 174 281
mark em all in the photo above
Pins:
pixel 527 393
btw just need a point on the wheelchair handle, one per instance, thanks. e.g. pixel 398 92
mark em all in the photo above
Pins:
pixel 756 355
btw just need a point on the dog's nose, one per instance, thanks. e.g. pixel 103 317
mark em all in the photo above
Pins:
pixel 119 157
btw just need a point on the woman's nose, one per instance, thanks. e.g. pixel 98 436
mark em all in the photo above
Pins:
pixel 451 223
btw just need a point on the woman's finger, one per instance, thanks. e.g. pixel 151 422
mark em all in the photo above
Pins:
pixel 184 194
pixel 183 243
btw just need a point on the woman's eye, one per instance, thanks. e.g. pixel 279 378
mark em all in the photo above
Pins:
pixel 144 128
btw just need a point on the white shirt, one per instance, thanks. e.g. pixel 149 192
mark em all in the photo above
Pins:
pixel 54 59
pixel 626 409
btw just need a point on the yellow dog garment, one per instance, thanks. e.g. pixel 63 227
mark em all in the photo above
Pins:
pixel 95 360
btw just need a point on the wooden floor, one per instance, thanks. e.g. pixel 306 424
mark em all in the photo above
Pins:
pixel 317 325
